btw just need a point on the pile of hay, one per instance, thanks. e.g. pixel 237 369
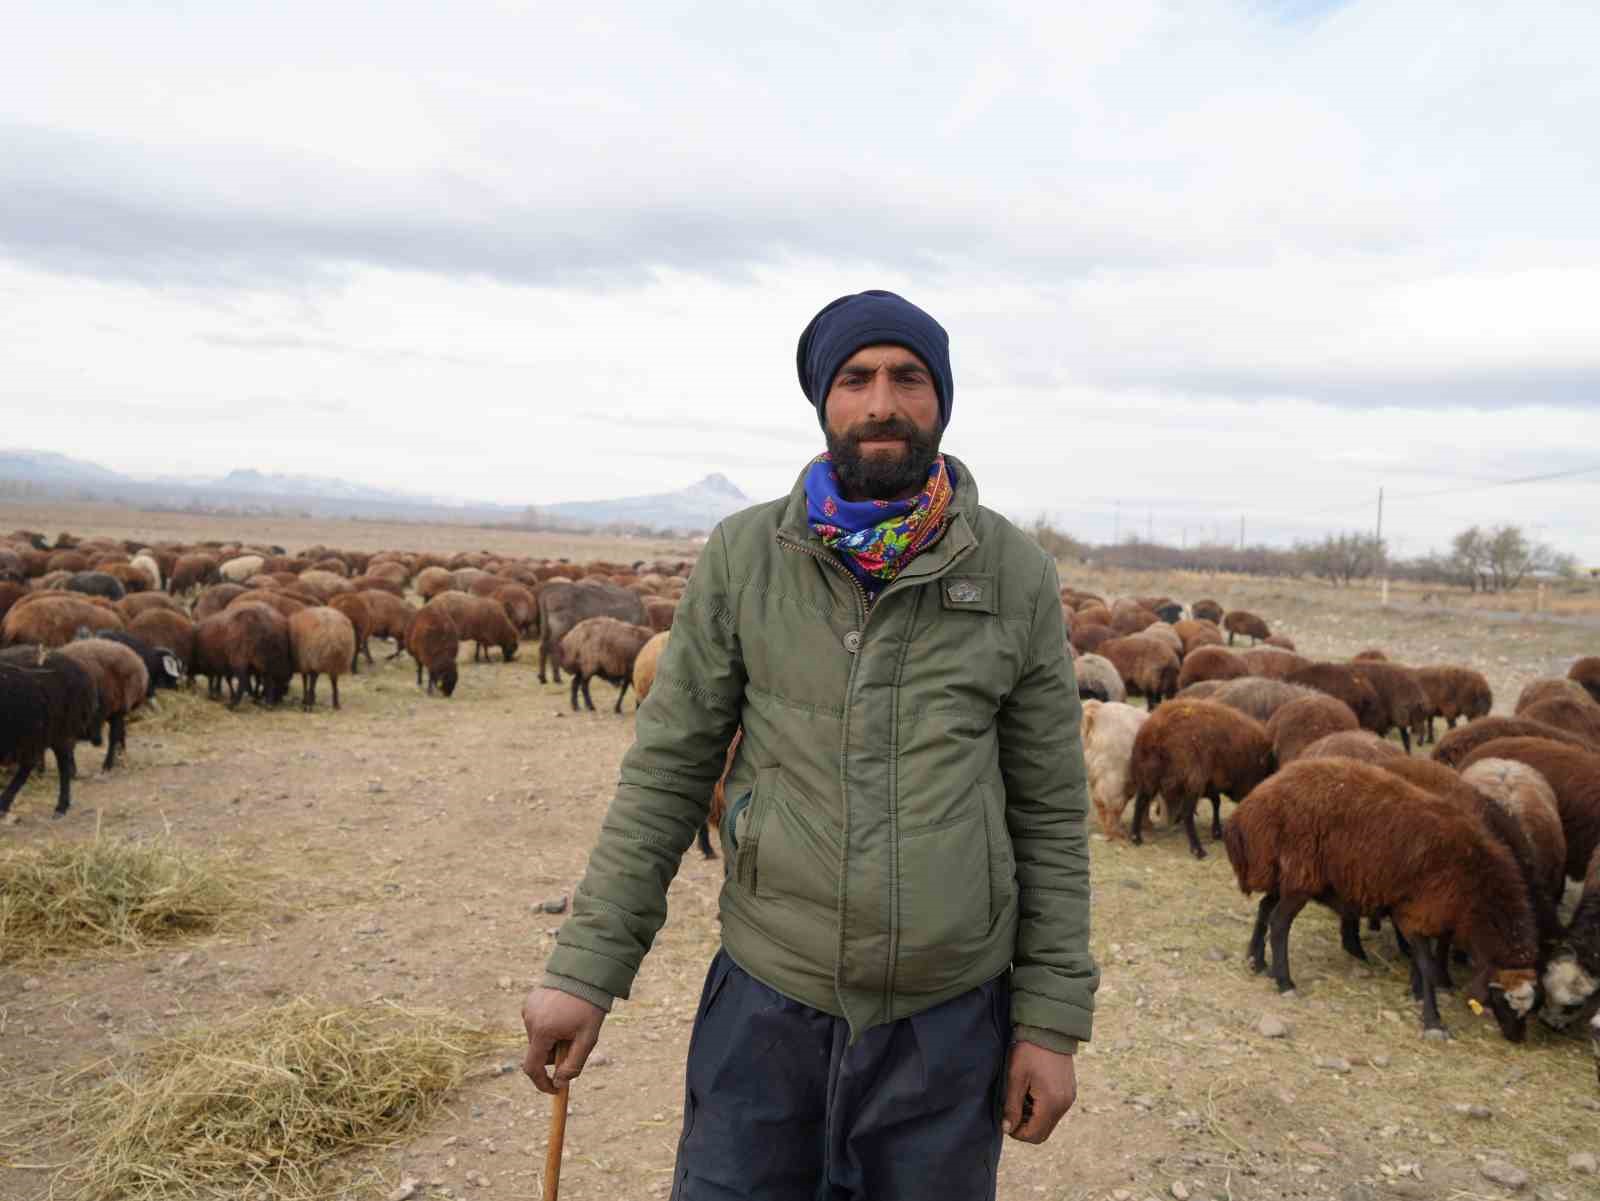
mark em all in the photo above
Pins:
pixel 258 1106
pixel 113 894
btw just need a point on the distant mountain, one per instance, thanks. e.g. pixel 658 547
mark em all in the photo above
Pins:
pixel 697 507
pixel 45 473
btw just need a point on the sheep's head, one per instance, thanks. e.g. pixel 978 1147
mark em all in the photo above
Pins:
pixel 447 680
pixel 1568 989
pixel 1513 995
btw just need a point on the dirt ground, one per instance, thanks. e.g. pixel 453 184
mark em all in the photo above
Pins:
pixel 412 839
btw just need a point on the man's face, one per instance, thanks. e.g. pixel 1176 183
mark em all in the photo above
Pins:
pixel 882 424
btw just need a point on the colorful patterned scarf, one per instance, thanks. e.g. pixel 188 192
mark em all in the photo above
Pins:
pixel 875 539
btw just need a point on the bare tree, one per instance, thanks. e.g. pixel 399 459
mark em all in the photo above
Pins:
pixel 1510 556
pixel 1341 558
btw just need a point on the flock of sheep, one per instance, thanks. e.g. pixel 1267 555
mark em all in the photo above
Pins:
pixel 1470 850
pixel 90 628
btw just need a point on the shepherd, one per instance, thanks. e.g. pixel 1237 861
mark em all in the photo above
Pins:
pixel 905 974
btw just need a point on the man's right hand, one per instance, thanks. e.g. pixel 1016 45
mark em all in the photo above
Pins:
pixel 552 1017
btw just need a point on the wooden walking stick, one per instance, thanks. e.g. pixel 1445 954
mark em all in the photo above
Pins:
pixel 558 1133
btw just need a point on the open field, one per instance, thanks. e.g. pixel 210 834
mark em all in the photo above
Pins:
pixel 406 842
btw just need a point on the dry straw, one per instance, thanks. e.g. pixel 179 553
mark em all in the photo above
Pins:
pixel 111 894
pixel 259 1105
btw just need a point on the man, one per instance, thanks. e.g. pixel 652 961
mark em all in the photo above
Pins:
pixel 905 970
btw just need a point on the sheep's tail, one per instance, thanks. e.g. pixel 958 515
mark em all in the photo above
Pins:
pixel 1233 838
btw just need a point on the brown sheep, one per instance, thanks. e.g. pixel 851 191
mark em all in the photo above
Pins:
pixel 1210 663
pixel 1273 663
pixel 644 667
pixel 1573 775
pixel 1207 610
pixel 323 641
pixel 1128 617
pixel 1454 692
pixel 193 571
pixel 1400 693
pixel 388 616
pixel 1098 679
pixel 1205 690
pixel 1586 671
pixel 1088 639
pixel 135 603
pixel 1260 698
pixel 1370 655
pixel 604 647
pixel 1282 641
pixel 67 560
pixel 1303 722
pixel 166 630
pixel 1195 634
pixel 1108 731
pixel 122 683
pixel 353 607
pixel 1241 621
pixel 563 606
pixel 431 581
pixel 1148 668
pixel 1455 746
pixel 377 583
pixel 1527 796
pixel 1094 615
pixel 432 640
pixel 1351 831
pixel 322 584
pixel 480 621
pixel 660 611
pixel 53 620
pixel 1544 689
pixel 252 644
pixel 1344 682
pixel 1567 713
pixel 1193 749
pixel 1363 745
pixel 10 593
pixel 1162 632
pixel 272 598
pixel 521 605
pixel 216 598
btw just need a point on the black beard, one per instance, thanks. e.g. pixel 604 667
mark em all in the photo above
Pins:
pixel 883 477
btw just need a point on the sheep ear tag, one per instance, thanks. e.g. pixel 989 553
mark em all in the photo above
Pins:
pixel 974 593
pixel 1475 1006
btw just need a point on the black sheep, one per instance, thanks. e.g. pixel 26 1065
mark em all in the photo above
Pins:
pixel 96 583
pixel 47 705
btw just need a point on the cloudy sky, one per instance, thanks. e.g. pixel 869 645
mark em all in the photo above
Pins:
pixel 1200 260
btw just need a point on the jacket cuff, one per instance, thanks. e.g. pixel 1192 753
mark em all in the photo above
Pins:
pixel 577 988
pixel 1050 1040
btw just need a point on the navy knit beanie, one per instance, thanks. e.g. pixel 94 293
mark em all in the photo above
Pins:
pixel 870 319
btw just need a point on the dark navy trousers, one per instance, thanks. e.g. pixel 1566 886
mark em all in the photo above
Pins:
pixel 780 1107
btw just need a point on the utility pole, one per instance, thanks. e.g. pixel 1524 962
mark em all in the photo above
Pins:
pixel 1380 518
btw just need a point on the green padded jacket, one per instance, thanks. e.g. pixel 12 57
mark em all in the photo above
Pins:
pixel 907 807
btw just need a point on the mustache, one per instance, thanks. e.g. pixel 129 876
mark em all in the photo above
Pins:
pixel 888 428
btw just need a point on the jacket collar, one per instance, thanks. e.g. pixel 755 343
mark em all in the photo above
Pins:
pixel 959 535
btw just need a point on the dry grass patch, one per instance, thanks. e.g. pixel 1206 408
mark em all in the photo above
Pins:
pixel 111 894
pixel 258 1106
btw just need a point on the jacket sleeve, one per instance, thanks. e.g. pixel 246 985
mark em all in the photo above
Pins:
pixel 680 742
pixel 1054 977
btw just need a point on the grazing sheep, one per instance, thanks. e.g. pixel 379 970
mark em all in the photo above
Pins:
pixel 255 650
pixel 1342 681
pixel 66 560
pixel 47 702
pixel 563 606
pixel 54 620
pixel 1148 666
pixel 193 571
pixel 1354 833
pixel 1195 633
pixel 1301 723
pixel 377 583
pixel 1162 632
pixel 237 571
pixel 431 581
pixel 1527 796
pixel 1454 692
pixel 163 667
pixel 1094 615
pixel 1273 663
pixel 1586 672
pixel 1574 777
pixel 120 681
pixel 1088 639
pixel 644 667
pixel 434 642
pixel 1402 699
pixel 1108 731
pixel 150 568
pixel 660 610
pixel 481 621
pixel 1546 688
pixel 604 647
pixel 166 631
pixel 388 616
pixel 1207 610
pixel 131 606
pixel 1211 663
pixel 521 606
pixel 273 598
pixel 1241 621
pixel 1205 690
pixel 1282 641
pixel 96 583
pixel 353 607
pixel 1098 679
pixel 1130 617
pixel 217 598
pixel 1260 698
pixel 323 641
pixel 1455 746
pixel 1193 749
pixel 322 585
pixel 1362 745
pixel 1567 713
pixel 1572 976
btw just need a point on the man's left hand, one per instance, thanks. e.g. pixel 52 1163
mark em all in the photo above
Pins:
pixel 1041 1086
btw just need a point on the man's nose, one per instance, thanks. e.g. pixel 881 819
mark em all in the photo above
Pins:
pixel 881 401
